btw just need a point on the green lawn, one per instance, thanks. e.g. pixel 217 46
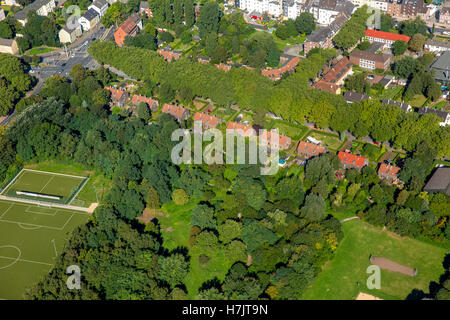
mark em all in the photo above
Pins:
pixel 295 132
pixel 418 101
pixel 345 276
pixel 39 50
pixel 332 142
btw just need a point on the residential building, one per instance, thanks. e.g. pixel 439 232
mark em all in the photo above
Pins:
pixel 256 8
pixel 326 11
pixel 369 60
pixel 388 172
pixel 178 112
pixel 89 19
pixel 386 81
pixel 441 68
pixel 170 54
pixel 334 76
pixel 144 8
pixel 404 106
pixel 322 37
pixel 8 46
pixel 42 8
pixel 352 161
pixel 376 4
pixel 288 66
pixel 118 97
pixel 309 150
pixel 68 35
pixel 100 6
pixel 444 115
pixel 444 15
pixel 128 28
pixel 406 9
pixel 283 141
pixel 387 38
pixel 439 181
pixel 241 129
pixel 10 3
pixel 351 97
pixel 433 45
pixel 153 104
pixel 208 121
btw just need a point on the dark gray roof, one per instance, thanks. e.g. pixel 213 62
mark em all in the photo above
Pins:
pixel 439 181
pixel 90 14
pixel 99 3
pixel 6 42
pixel 438 43
pixel 439 113
pixel 352 96
pixel 441 67
pixel 402 105
pixel 36 5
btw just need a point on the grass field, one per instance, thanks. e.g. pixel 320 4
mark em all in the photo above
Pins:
pixel 330 141
pixel 296 132
pixel 31 236
pixel 46 183
pixel 345 276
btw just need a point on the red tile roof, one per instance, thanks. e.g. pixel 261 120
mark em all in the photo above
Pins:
pixel 207 120
pixel 116 94
pixel 388 170
pixel 126 28
pixel 284 141
pixel 241 129
pixel 386 35
pixel 169 55
pixel 351 159
pixel 310 148
pixel 173 110
pixel 138 99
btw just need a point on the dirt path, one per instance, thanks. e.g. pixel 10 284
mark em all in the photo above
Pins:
pixel 390 265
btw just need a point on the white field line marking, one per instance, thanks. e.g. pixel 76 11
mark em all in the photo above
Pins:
pixel 12 181
pixel 67 221
pixel 53 205
pixel 12 204
pixel 29 209
pixel 31 224
pixel 51 178
pixel 24 260
pixel 15 259
pixel 79 190
pixel 54 246
pixel 54 173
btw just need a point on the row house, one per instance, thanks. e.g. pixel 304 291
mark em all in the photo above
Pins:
pixel 118 97
pixel 241 129
pixel 406 9
pixel 326 11
pixel 388 172
pixel 376 4
pixel 128 28
pixel 334 76
pixel 153 104
pixel 443 115
pixel 369 60
pixel 276 74
pixel 387 38
pixel 351 97
pixel 169 54
pixel 8 46
pixel 70 32
pixel 433 45
pixel 178 112
pixel 208 121
pixel 349 160
pixel 100 6
pixel 323 37
pixel 42 8
pixel 256 8
pixel 283 141
pixel 309 150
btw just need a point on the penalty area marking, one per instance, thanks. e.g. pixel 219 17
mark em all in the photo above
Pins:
pixel 15 259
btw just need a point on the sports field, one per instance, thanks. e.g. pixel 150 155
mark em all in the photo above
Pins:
pixel 31 236
pixel 61 186
pixel 345 276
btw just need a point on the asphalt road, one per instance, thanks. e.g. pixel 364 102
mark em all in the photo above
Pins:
pixel 62 61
